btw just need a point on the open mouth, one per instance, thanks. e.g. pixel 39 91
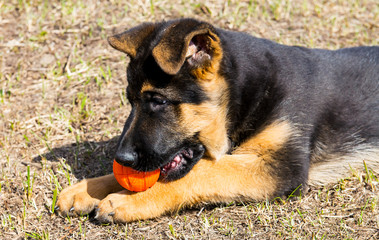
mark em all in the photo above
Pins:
pixel 176 166
pixel 178 162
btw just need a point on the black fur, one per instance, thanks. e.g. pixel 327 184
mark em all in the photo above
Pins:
pixel 332 97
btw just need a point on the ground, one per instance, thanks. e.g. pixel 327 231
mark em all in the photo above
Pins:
pixel 62 106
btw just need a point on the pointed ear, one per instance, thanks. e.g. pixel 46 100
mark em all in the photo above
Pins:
pixel 182 41
pixel 130 40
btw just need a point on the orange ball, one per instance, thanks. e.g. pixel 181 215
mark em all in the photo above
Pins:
pixel 134 180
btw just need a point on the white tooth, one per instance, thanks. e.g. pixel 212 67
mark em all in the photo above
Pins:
pixel 177 158
pixel 173 164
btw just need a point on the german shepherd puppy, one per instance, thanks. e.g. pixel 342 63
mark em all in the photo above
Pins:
pixel 226 116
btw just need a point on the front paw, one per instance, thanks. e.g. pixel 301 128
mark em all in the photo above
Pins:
pixel 83 197
pixel 126 206
pixel 117 207
pixel 76 200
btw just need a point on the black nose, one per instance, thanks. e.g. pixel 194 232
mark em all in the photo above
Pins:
pixel 126 158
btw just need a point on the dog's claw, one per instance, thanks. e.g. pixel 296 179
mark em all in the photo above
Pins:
pixel 108 218
pixel 104 218
pixel 56 208
pixel 71 209
pixel 96 212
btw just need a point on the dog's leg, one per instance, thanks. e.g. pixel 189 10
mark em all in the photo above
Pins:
pixel 233 177
pixel 82 197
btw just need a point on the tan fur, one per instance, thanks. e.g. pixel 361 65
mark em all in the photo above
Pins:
pixel 334 166
pixel 146 87
pixel 269 140
pixel 243 175
pixel 209 71
pixel 209 119
pixel 232 177
pixel 85 195
pixel 129 41
pixel 170 58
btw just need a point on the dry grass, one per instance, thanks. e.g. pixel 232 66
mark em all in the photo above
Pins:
pixel 62 107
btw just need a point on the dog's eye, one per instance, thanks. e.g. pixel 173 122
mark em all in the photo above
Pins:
pixel 157 102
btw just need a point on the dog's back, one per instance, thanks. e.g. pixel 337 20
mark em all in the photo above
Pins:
pixel 347 131
pixel 331 97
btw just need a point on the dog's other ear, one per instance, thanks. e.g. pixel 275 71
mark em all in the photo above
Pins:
pixel 130 40
pixel 187 40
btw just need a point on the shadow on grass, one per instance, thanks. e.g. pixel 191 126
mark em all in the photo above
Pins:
pixel 86 159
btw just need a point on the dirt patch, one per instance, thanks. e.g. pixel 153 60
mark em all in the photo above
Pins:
pixel 62 106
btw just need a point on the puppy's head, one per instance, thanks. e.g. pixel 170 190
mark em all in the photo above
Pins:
pixel 178 96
